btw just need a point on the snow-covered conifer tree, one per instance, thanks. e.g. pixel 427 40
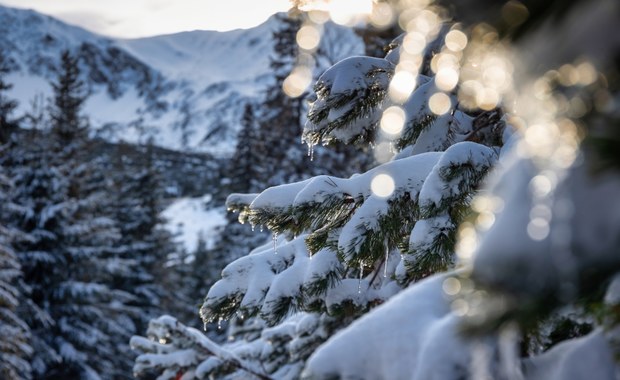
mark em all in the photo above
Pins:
pixel 245 170
pixel 69 97
pixel 342 246
pixel 444 280
pixel 144 245
pixel 279 116
pixel 15 348
pixel 79 319
pixel 7 105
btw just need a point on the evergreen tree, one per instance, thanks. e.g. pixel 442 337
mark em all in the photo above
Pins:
pixel 279 116
pixel 537 248
pixel 341 246
pixel 145 245
pixel 246 168
pixel 69 96
pixel 41 191
pixel 15 348
pixel 68 254
pixel 7 105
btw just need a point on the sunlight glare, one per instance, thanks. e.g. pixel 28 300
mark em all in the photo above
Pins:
pixel 298 81
pixel 382 185
pixel 393 120
pixel 308 37
pixel 439 103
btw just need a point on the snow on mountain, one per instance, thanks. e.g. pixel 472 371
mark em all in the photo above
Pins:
pixel 191 219
pixel 182 57
pixel 186 90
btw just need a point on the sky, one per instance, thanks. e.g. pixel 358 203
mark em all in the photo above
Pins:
pixel 142 18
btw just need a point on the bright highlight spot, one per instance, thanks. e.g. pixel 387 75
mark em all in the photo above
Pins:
pixel 382 15
pixel 540 211
pixel 460 307
pixel 444 61
pixel 426 22
pixel 402 85
pixel 318 16
pixel 541 185
pixel 382 185
pixel 446 79
pixel 587 73
pixel 393 120
pixel 451 286
pixel 485 203
pixel 485 220
pixel 297 82
pixel 414 43
pixel 487 99
pixel 538 229
pixel 467 242
pixel 308 37
pixel 439 103
pixel 456 40
pixel 348 12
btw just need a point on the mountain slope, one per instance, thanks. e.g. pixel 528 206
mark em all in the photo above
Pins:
pixel 186 90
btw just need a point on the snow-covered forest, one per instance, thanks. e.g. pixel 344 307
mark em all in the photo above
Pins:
pixel 380 189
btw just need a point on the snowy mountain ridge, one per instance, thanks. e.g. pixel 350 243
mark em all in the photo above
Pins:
pixel 186 90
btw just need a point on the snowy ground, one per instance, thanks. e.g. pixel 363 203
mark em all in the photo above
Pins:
pixel 188 218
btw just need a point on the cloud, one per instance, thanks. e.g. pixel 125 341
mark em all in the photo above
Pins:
pixel 139 18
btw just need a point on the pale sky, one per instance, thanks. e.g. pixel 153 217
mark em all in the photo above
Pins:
pixel 141 18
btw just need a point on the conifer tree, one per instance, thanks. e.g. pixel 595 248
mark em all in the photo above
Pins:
pixel 279 115
pixel 340 245
pixel 145 245
pixel 15 348
pixel 7 105
pixel 68 100
pixel 247 166
pixel 79 321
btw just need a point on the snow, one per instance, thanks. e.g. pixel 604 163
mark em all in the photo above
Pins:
pixel 190 218
pixel 201 79
pixel 181 56
pixel 415 324
pixel 26 87
pixel 560 249
pixel 351 74
pixel 589 357
pixel 408 174
pixel 262 276
pixel 438 186
pixel 121 113
pixel 351 78
pixel 425 232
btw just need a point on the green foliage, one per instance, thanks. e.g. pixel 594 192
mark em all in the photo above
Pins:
pixel 68 101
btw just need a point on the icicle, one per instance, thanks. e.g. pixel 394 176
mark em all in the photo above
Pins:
pixel 387 256
pixel 219 324
pixel 359 283
pixel 275 242
pixel 311 151
pixel 205 326
pixel 261 228
pixel 253 226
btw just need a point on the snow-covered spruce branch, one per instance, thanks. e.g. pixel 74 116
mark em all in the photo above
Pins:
pixel 169 340
pixel 349 99
pixel 342 225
